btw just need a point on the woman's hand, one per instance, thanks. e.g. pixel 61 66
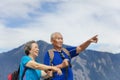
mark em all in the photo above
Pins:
pixel 55 69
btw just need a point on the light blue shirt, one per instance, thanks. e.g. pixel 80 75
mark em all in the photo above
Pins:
pixel 30 74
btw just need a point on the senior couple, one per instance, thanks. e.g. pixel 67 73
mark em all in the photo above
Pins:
pixel 59 68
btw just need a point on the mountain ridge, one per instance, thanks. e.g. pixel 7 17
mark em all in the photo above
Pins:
pixel 89 65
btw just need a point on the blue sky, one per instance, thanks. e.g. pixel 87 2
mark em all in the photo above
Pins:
pixel 77 20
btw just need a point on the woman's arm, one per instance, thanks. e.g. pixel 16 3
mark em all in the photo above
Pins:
pixel 35 65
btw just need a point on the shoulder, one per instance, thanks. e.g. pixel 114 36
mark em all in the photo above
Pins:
pixel 25 59
pixel 50 51
pixel 70 48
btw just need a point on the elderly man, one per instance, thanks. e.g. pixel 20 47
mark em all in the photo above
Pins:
pixel 61 57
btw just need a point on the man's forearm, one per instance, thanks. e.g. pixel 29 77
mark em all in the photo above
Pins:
pixel 60 66
pixel 83 46
pixel 63 65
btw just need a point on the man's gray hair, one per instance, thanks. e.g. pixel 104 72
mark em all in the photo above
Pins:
pixel 53 35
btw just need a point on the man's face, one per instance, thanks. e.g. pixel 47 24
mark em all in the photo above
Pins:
pixel 57 41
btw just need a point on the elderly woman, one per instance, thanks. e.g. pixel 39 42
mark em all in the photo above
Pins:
pixel 34 70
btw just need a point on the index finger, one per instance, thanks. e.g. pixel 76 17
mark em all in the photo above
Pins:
pixel 95 36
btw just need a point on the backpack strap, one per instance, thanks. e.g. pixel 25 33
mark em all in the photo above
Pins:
pixel 24 72
pixel 66 51
pixel 51 54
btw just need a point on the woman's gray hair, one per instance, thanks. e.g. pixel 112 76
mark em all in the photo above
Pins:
pixel 28 46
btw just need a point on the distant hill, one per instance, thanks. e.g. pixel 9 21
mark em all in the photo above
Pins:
pixel 89 65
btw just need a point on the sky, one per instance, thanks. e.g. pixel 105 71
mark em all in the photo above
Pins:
pixel 76 20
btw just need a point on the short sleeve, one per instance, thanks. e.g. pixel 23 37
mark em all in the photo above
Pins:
pixel 72 51
pixel 25 60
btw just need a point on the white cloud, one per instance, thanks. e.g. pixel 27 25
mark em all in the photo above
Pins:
pixel 77 20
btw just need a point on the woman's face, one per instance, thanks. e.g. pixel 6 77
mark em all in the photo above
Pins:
pixel 34 49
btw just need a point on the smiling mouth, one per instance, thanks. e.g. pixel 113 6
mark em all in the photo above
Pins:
pixel 36 51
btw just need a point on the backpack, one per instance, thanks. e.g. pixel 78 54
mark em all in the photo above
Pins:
pixel 51 54
pixel 15 75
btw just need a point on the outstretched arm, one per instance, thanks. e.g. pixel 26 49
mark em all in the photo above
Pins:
pixel 35 65
pixel 84 45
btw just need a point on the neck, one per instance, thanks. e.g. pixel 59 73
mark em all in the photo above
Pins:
pixel 58 49
pixel 32 57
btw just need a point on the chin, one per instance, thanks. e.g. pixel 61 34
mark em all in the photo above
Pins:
pixel 36 55
pixel 60 46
